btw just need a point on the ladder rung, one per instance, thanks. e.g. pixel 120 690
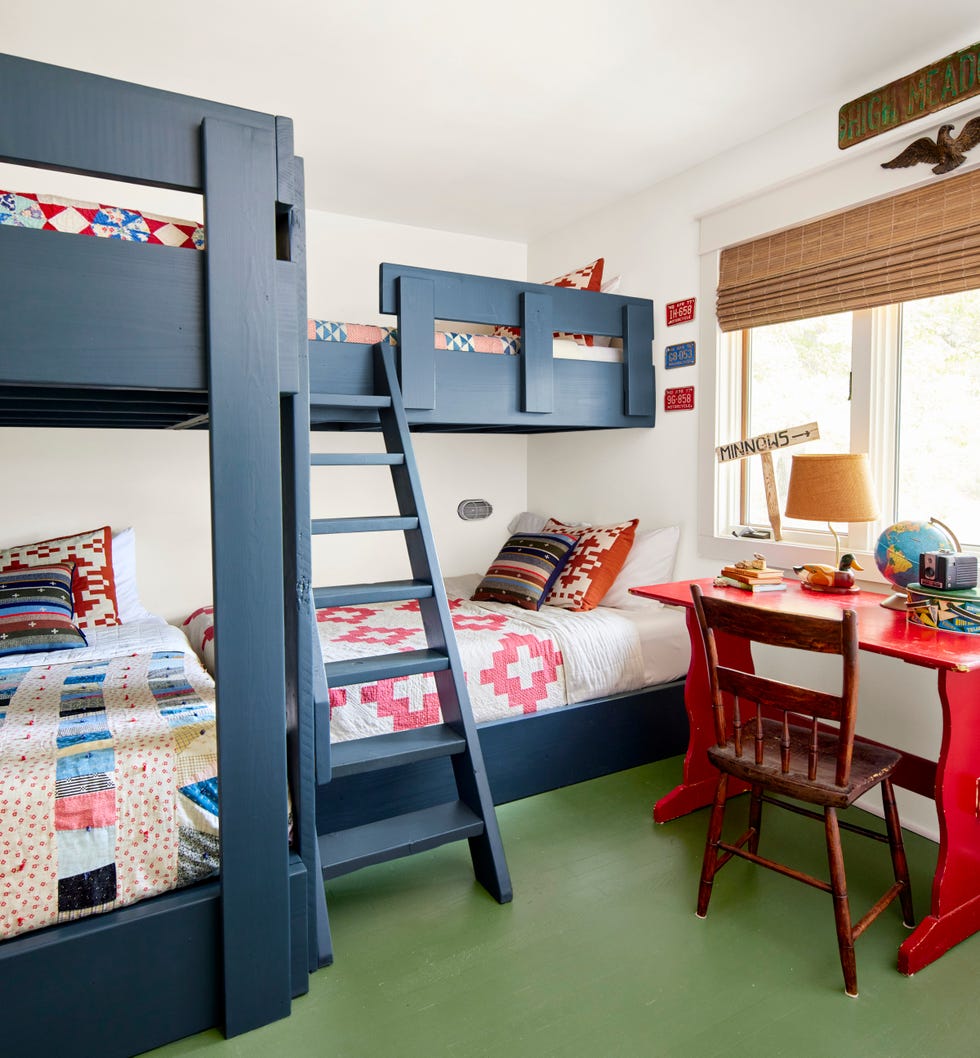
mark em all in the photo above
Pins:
pixel 394 749
pixel 383 591
pixel 384 667
pixel 356 459
pixel 348 400
pixel 381 524
pixel 348 850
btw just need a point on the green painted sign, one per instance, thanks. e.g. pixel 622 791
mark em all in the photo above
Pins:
pixel 934 87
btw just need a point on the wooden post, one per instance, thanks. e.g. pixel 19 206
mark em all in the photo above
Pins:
pixel 772 495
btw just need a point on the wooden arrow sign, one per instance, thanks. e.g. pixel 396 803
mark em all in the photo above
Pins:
pixel 763 446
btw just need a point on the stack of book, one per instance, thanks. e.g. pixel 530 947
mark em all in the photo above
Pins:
pixel 750 578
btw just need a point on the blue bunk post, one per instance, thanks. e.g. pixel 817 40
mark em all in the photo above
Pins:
pixel 638 373
pixel 297 572
pixel 416 328
pixel 537 361
pixel 240 192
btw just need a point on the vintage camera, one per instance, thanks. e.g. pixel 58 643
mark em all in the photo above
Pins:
pixel 947 570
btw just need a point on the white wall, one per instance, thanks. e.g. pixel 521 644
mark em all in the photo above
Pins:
pixel 664 242
pixel 57 482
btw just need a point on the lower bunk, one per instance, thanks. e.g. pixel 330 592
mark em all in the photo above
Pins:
pixel 558 696
pixel 110 895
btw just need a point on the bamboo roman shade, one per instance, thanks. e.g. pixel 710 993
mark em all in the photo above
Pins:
pixel 913 245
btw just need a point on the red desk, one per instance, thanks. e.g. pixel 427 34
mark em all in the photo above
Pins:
pixel 954 780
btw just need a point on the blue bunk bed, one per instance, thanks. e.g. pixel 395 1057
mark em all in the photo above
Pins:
pixel 99 332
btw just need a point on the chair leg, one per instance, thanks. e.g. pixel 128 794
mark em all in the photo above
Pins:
pixel 842 910
pixel 710 863
pixel 755 818
pixel 899 862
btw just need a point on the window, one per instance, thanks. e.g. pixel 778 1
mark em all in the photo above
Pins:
pixel 901 382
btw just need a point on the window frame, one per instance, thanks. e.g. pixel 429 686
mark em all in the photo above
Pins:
pixel 873 426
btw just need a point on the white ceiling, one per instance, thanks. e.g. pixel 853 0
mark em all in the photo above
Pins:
pixel 508 118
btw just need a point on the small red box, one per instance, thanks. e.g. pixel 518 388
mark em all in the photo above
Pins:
pixel 680 311
pixel 679 399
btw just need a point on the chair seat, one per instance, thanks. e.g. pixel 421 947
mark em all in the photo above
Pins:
pixel 869 764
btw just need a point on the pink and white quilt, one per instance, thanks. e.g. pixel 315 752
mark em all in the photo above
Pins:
pixel 516 662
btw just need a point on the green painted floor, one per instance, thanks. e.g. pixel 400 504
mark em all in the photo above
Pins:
pixel 600 954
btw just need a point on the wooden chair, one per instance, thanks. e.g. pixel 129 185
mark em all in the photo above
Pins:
pixel 784 743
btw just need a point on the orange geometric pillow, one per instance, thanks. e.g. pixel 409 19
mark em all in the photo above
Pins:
pixel 94 587
pixel 595 563
pixel 588 277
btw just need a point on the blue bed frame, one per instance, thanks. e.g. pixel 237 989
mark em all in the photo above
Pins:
pixel 529 393
pixel 110 333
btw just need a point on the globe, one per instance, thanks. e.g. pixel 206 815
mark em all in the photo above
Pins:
pixel 897 553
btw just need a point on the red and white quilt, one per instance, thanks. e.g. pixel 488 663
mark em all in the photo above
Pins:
pixel 516 662
pixel 510 669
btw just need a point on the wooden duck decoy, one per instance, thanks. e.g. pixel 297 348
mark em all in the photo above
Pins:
pixel 822 577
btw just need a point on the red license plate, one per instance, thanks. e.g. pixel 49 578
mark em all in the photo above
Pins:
pixel 680 311
pixel 679 399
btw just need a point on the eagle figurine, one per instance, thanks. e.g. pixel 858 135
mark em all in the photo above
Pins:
pixel 945 154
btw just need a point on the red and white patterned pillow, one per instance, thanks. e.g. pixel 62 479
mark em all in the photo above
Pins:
pixel 595 563
pixel 94 587
pixel 588 277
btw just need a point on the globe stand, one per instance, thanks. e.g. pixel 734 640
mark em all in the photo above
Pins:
pixel 896 601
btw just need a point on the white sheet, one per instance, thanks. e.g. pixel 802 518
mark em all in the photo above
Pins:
pixel 568 349
pixel 136 637
pixel 606 651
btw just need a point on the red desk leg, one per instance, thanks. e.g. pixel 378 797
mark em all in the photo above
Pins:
pixel 700 778
pixel 955 913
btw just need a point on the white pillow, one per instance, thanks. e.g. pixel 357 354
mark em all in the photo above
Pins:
pixel 128 605
pixel 526 522
pixel 529 522
pixel 650 561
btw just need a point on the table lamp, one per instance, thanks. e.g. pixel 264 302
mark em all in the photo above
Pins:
pixel 833 487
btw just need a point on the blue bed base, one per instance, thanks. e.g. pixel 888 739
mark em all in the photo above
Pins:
pixel 110 333
pixel 528 755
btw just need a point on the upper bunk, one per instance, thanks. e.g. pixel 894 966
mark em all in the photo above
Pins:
pixel 106 332
pixel 452 389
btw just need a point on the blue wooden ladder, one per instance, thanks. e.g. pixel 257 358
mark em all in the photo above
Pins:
pixel 472 815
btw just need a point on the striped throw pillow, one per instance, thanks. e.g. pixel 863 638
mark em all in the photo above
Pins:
pixel 36 610
pixel 525 569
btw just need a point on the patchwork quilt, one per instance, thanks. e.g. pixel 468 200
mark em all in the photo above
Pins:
pixel 108 784
pixel 25 210
pixel 454 341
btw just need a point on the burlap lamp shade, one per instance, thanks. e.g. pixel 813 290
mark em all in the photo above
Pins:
pixel 833 487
